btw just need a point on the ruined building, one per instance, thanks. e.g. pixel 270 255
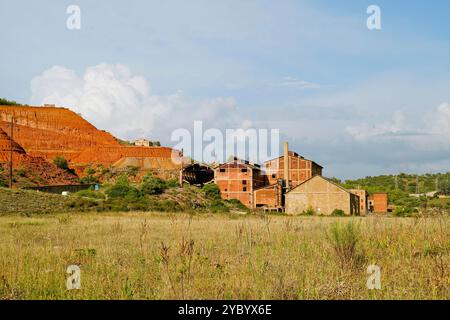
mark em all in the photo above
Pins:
pixel 237 179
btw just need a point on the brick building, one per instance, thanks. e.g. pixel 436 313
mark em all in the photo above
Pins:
pixel 300 169
pixel 362 194
pixel 378 202
pixel 238 179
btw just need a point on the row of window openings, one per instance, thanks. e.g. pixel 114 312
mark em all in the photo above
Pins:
pixel 225 170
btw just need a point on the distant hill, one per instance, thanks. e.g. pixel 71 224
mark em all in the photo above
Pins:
pixel 399 187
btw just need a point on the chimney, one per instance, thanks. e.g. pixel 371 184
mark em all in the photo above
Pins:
pixel 286 165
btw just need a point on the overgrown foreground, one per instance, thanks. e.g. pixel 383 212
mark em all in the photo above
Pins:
pixel 177 256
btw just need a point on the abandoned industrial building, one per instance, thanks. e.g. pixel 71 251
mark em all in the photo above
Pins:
pixel 322 196
pixel 265 188
pixel 237 179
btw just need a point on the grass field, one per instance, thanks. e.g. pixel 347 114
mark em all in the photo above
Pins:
pixel 177 256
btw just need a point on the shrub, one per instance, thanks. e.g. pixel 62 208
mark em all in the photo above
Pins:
pixel 338 213
pixel 3 182
pixel 344 239
pixel 152 185
pixel 235 203
pixel 132 171
pixel 90 194
pixel 90 171
pixel 120 189
pixel 218 206
pixel 212 191
pixel 401 211
pixel 61 162
pixel 22 172
pixel 309 212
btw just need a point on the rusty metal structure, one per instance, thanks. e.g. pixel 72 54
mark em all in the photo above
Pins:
pixel 197 174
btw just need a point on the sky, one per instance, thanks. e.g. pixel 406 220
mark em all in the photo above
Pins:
pixel 359 102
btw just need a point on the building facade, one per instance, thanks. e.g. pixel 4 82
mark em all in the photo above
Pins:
pixel 362 194
pixel 238 179
pixel 300 169
pixel 378 202
pixel 322 196
pixel 143 143
pixel 269 197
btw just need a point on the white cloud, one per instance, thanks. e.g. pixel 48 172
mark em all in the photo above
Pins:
pixel 365 131
pixel 113 98
pixel 292 82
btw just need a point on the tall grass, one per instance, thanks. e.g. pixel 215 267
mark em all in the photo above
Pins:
pixel 220 256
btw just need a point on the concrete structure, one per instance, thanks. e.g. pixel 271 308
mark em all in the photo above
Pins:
pixel 299 168
pixel 378 202
pixel 321 195
pixel 238 179
pixel 143 143
pixel 362 194
pixel 269 197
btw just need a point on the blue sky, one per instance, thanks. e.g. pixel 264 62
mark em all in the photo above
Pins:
pixel 359 102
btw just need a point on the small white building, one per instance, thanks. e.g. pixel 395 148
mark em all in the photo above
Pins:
pixel 143 143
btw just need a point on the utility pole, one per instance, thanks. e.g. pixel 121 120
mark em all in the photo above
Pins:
pixel 11 154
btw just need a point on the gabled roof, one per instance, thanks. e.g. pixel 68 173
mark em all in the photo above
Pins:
pixel 243 162
pixel 294 154
pixel 318 176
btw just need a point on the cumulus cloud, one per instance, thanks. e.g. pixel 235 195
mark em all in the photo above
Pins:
pixel 432 134
pixel 113 98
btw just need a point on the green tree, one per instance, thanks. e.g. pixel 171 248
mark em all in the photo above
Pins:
pixel 152 185
pixel 61 162
pixel 212 191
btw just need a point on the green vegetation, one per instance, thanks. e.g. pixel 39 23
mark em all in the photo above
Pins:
pixel 401 186
pixel 344 239
pixel 28 202
pixel 61 162
pixel 152 185
pixel 5 102
pixel 153 194
pixel 212 191
pixel 338 213
pixel 309 212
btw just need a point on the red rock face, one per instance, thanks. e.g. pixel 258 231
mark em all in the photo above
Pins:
pixel 48 132
pixel 49 174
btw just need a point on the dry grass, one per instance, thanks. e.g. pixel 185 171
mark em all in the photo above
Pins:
pixel 166 256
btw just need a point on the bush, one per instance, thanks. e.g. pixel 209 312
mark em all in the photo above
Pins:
pixel 344 239
pixel 132 171
pixel 120 189
pixel 61 162
pixel 3 182
pixel 401 211
pixel 235 203
pixel 152 185
pixel 309 212
pixel 22 172
pixel 218 206
pixel 338 213
pixel 212 191
pixel 90 194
